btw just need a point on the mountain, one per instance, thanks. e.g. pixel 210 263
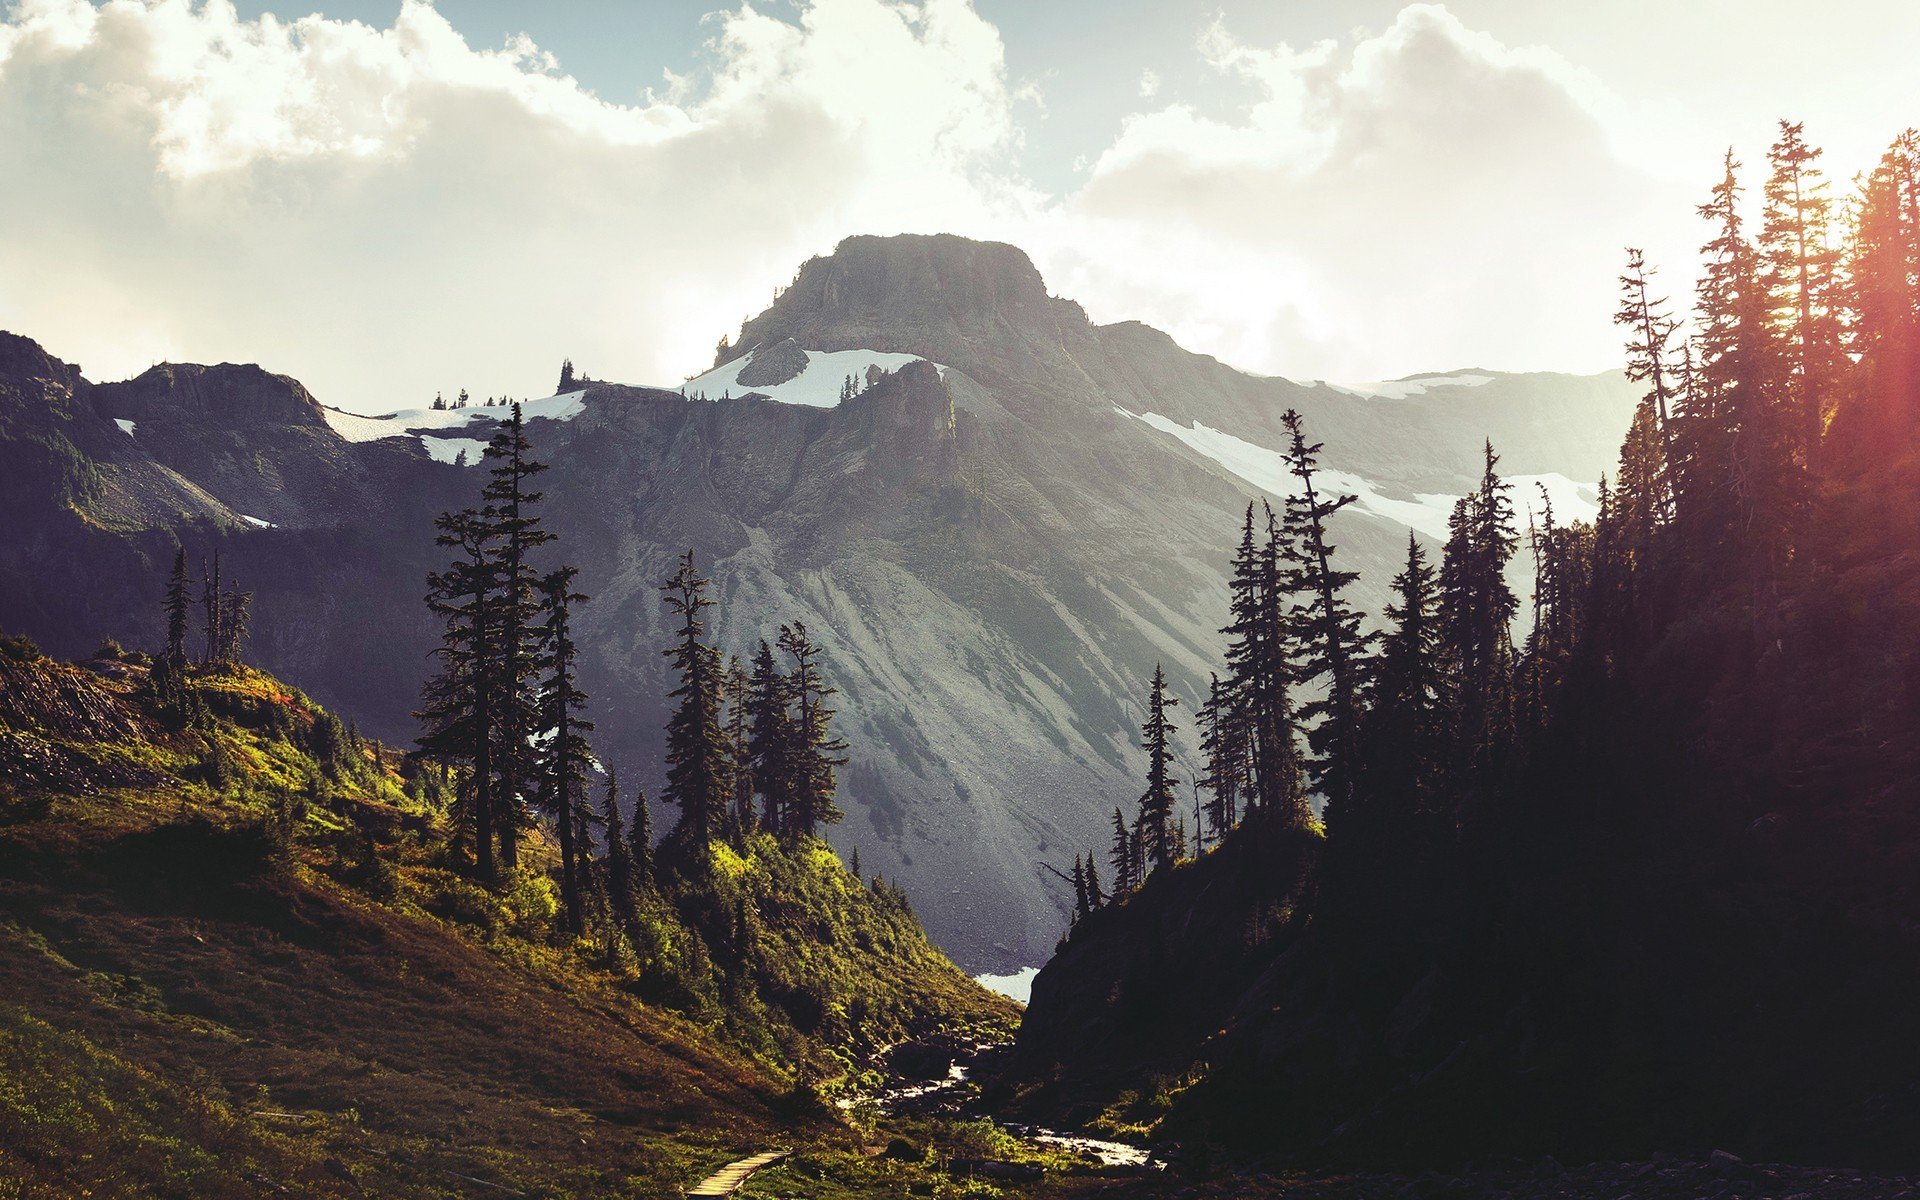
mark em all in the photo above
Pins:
pixel 1018 515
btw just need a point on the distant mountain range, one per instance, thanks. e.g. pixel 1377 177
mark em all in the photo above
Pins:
pixel 1018 515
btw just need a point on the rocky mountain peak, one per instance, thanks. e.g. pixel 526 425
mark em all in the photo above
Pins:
pixel 25 365
pixel 228 394
pixel 980 306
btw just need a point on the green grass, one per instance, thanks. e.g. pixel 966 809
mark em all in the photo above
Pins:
pixel 211 987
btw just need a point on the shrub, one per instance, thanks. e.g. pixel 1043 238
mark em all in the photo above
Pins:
pixel 376 876
pixel 464 902
pixel 531 901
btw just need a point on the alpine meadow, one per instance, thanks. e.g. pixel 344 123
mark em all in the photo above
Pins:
pixel 480 716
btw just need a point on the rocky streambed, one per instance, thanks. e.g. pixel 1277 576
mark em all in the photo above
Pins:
pixel 941 1076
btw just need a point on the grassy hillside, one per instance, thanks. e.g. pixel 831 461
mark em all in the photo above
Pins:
pixel 236 959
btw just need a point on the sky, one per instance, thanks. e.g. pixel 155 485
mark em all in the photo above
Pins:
pixel 389 198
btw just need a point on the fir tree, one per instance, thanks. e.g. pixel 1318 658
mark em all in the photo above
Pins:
pixel 1650 332
pixel 212 601
pixel 235 621
pixel 740 773
pixel 1802 276
pixel 1126 867
pixel 696 738
pixel 770 739
pixel 1258 682
pixel 1325 629
pixel 510 509
pixel 458 701
pixel 623 891
pixel 817 753
pixel 1882 299
pixel 640 842
pixel 1223 745
pixel 566 375
pixel 1736 457
pixel 568 756
pixel 1158 802
pixel 1476 608
pixel 1407 695
pixel 179 598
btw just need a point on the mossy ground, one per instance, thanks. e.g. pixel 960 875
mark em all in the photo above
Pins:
pixel 242 958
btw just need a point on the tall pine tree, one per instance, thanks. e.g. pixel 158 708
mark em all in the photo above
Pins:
pixel 817 753
pixel 1325 629
pixel 696 737
pixel 569 757
pixel 1158 802
pixel 511 508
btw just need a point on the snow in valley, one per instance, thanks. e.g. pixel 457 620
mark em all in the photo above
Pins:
pixel 1017 986
pixel 1424 512
pixel 409 422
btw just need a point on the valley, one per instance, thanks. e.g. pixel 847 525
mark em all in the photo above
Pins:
pixel 999 546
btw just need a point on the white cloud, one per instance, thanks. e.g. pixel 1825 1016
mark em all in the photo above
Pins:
pixel 391 212
pixel 1426 196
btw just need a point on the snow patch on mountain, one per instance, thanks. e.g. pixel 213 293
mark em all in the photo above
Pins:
pixel 816 386
pixel 356 427
pixel 125 425
pixel 448 450
pixel 1425 512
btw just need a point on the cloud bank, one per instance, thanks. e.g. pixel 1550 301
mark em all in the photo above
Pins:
pixel 390 212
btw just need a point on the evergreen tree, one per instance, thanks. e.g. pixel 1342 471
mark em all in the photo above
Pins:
pixel 1408 694
pixel 510 509
pixel 770 739
pixel 236 619
pixel 1079 880
pixel 566 375
pixel 817 753
pixel 1650 331
pixel 1223 744
pixel 696 738
pixel 1258 681
pixel 1126 867
pixel 569 757
pixel 1325 628
pixel 1736 456
pixel 640 842
pixel 1802 277
pixel 1882 297
pixel 1477 607
pixel 623 890
pixel 1158 802
pixel 1095 896
pixel 458 702
pixel 178 600
pixel 740 769
pixel 212 601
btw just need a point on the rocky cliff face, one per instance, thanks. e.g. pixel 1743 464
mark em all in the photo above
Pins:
pixel 995 551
